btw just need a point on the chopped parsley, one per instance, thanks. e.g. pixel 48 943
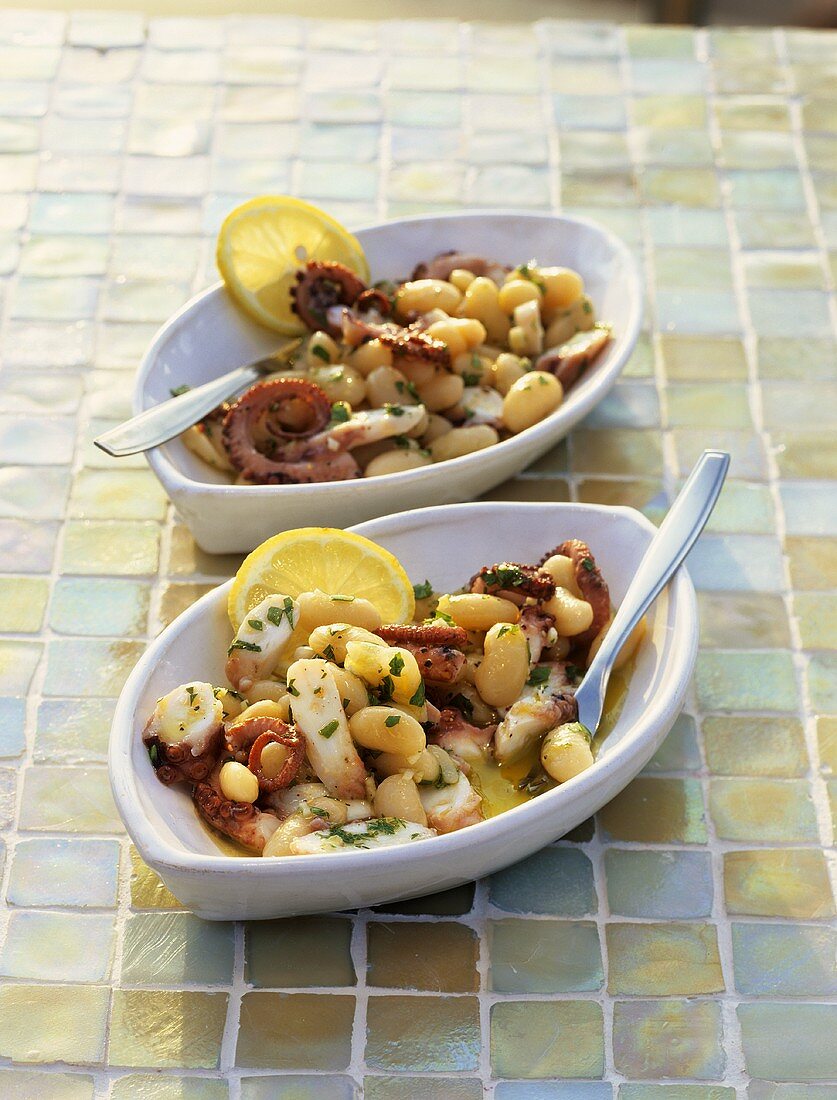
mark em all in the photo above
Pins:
pixel 437 615
pixel 418 699
pixel 586 306
pixel 256 624
pixel 377 826
pixel 154 754
pixel 292 689
pixel 386 689
pixel 394 410
pixel 339 412
pixel 328 729
pixel 276 614
pixel 328 653
pixel 321 353
pixel 251 647
pixel 393 720
pixel 538 676
pixel 574 673
pixel 588 564
pixel 525 272
pixel 503 630
pixel 423 590
pixel 396 665
pixel 472 379
pixel 178 391
pixel 504 576
pixel 342 599
pixel 190 691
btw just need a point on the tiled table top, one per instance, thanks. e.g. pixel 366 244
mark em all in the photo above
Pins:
pixel 680 947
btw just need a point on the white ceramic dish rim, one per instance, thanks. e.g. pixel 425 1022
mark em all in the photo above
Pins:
pixel 580 401
pixel 154 849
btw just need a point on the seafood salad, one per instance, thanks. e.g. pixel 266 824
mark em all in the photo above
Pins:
pixel 340 731
pixel 397 376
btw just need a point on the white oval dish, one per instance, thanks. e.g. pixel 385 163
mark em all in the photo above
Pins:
pixel 446 545
pixel 211 335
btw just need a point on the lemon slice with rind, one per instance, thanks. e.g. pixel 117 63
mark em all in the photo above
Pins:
pixel 264 242
pixel 334 561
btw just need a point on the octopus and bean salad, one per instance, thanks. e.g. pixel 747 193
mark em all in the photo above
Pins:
pixel 401 375
pixel 338 731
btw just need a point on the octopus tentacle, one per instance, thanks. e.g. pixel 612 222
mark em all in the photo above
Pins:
pixel 538 626
pixel 437 648
pixel 592 585
pixel 441 266
pixel 276 732
pixel 410 342
pixel 174 763
pixel 459 737
pixel 294 458
pixel 514 582
pixel 322 284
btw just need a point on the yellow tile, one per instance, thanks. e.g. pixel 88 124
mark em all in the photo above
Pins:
pixel 827 738
pixel 441 957
pixel 755 619
pixel 118 548
pixel 117 494
pixel 33 1084
pixel 22 603
pixel 147 888
pixel 661 959
pixel 295 1031
pixel 813 562
pixel 763 809
pixel 176 598
pixel 76 800
pixel 53 1023
pixel 151 1086
pixel 185 556
pixel 299 951
pixel 817 615
pixel 786 882
pixel 668 1038
pixel 703 358
pixel 166 1028
pixel 736 745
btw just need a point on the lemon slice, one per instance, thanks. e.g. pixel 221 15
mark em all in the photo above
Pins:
pixel 337 562
pixel 262 245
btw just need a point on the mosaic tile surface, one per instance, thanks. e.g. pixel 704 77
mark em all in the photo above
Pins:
pixel 680 946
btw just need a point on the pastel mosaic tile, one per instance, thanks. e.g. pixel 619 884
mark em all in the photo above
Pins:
pixel 531 1039
pixel 125 142
pixel 668 1039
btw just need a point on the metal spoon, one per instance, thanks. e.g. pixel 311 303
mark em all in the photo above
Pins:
pixel 163 422
pixel 677 534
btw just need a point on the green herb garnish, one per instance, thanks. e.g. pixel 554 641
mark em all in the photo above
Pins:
pixel 394 410
pixel 339 412
pixel 393 720
pixel 321 353
pixel 154 754
pixel 342 599
pixel 423 590
pixel 418 699
pixel 588 564
pixel 292 690
pixel 179 390
pixel 396 665
pixel 329 728
pixel 256 624
pixel 538 676
pixel 251 647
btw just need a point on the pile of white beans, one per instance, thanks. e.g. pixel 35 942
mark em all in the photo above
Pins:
pixel 493 333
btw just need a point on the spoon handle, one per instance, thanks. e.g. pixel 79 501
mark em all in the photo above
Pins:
pixel 163 422
pixel 677 534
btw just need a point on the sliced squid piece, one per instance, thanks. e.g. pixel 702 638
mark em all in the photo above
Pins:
pixel 482 405
pixel 377 832
pixel 451 808
pixel 256 648
pixel 319 716
pixel 540 708
pixel 568 360
pixel 372 425
pixel 190 715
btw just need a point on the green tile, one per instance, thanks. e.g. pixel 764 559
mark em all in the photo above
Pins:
pixel 783 270
pixel 166 1028
pixel 785 882
pixel 668 1039
pixel 827 740
pixel 37 1085
pixel 76 800
pixel 441 957
pixel 743 507
pixel 755 746
pixel 719 405
pixel 426 1034
pixel 544 956
pixel 784 960
pixel 679 751
pixel 660 959
pixel 152 1086
pixel 553 882
pixel 755 619
pixel 665 884
pixel 449 903
pixel 299 951
pixel 629 451
pixel 692 267
pixel 752 113
pixel 670 112
pixel 99 607
pixel 730 680
pixel 822 682
pixel 657 811
pixel 817 617
pixel 535 1040
pixel 671 1091
pixel 293 1086
pixel 176 949
pixel 22 603
pixel 702 358
pixel 746 451
pixel 53 947
pixel 770 1090
pixel 774 228
pixel 422 1088
pixel 785 1042
pixel 687 186
pixel 74 731
pixel 762 809
pixel 757 149
pixel 53 1023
